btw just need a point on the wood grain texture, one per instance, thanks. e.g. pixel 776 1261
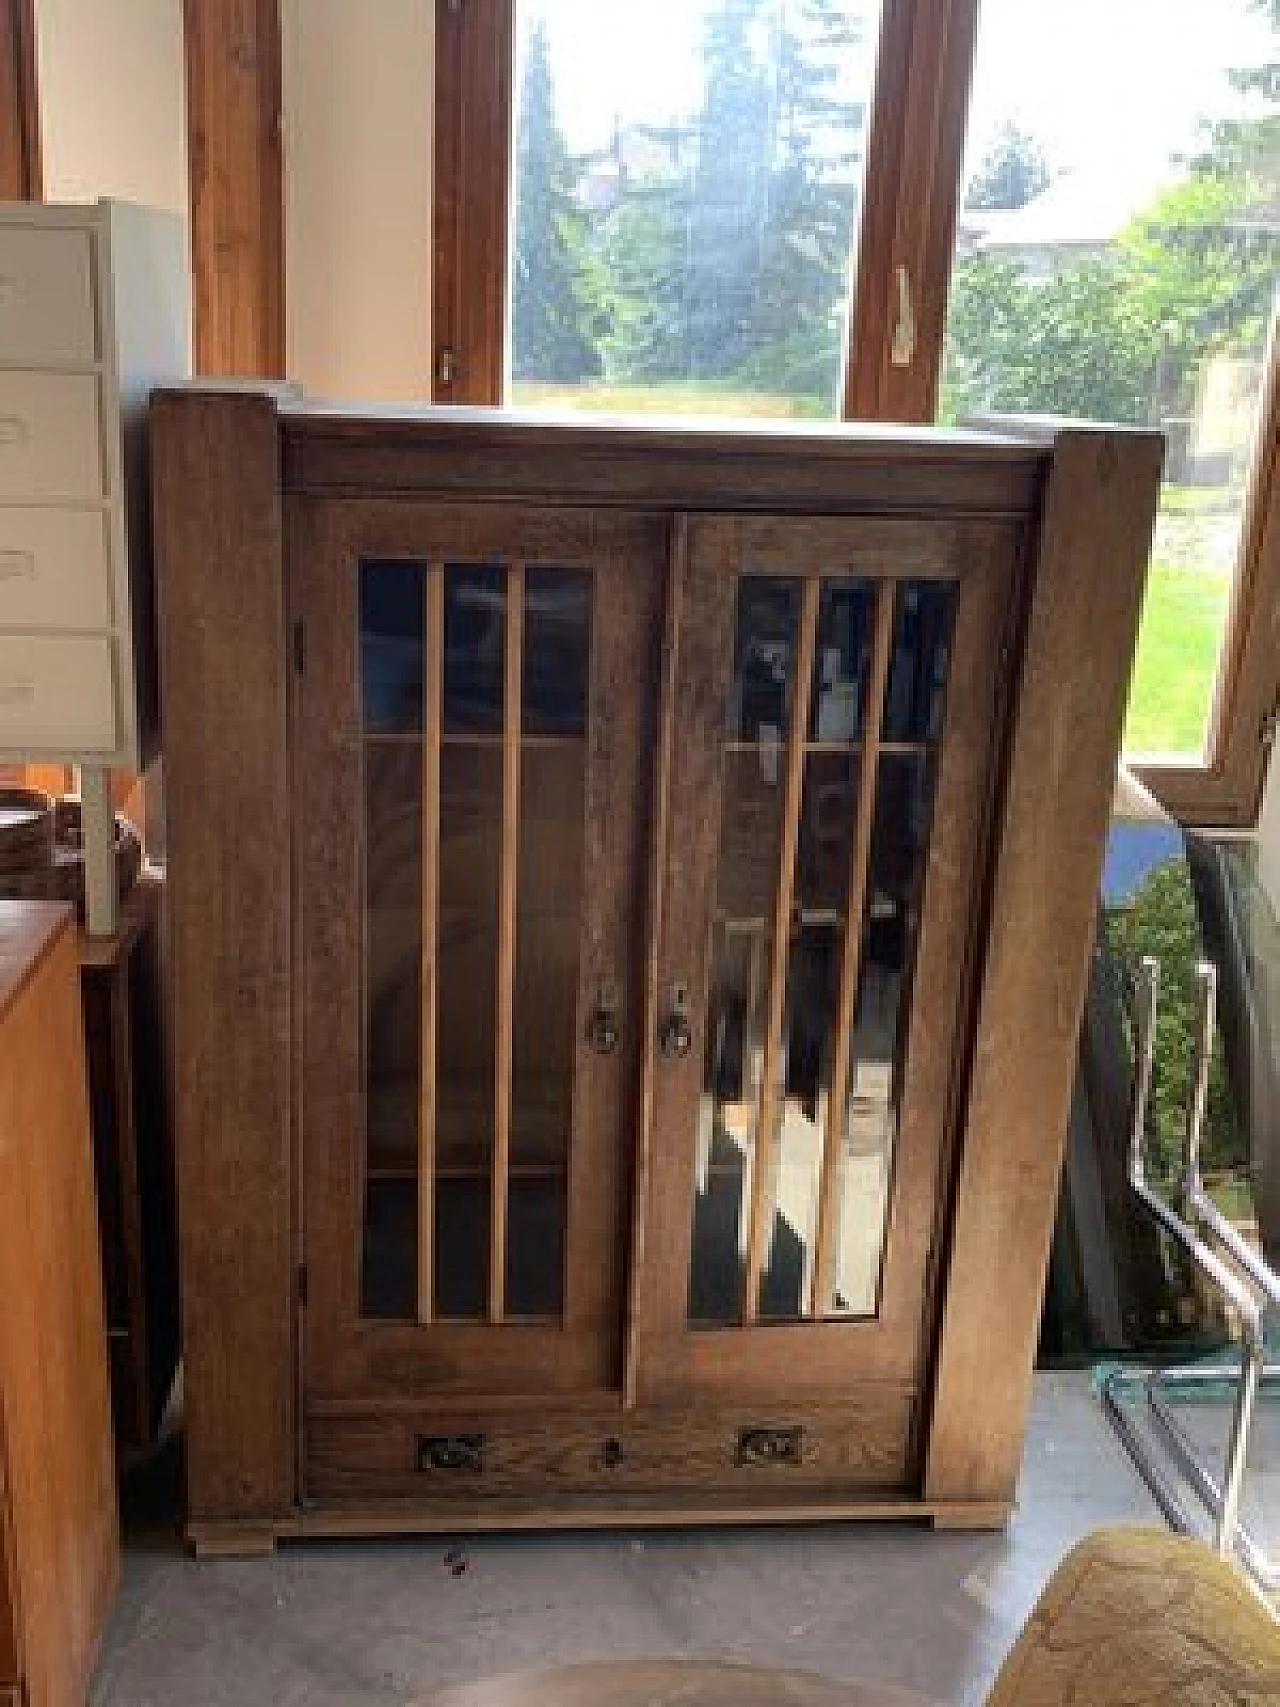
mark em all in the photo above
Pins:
pixel 828 470
pixel 915 157
pixel 429 991
pixel 20 170
pixel 474 55
pixel 1060 773
pixel 218 562
pixel 508 878
pixel 236 185
pixel 59 1543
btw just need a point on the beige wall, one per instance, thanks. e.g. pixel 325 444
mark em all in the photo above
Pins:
pixel 358 79
pixel 112 105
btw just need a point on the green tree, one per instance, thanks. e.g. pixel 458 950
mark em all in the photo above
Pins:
pixel 1014 171
pixel 642 250
pixel 554 298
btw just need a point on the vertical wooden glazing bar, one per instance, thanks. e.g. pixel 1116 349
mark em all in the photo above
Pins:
pixel 504 1037
pixel 432 721
pixel 761 1193
pixel 851 951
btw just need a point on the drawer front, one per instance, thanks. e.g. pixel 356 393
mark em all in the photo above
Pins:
pixel 674 1458
pixel 50 437
pixel 57 693
pixel 46 296
pixel 54 569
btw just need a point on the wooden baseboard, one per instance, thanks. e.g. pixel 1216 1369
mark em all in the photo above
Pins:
pixel 255 1539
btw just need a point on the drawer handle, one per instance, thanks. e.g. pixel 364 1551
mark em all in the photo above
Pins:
pixel 770 1446
pixel 13 430
pixel 17 565
pixel 456 1453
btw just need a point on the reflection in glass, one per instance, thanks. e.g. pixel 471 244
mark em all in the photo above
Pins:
pixel 474 649
pixel 828 818
pixel 557 651
pixel 470 851
pixel 728 1110
pixel 393 953
pixel 751 834
pixel 764 658
pixel 899 839
pixel 843 661
pixel 924 618
pixel 544 1021
pixel 391 647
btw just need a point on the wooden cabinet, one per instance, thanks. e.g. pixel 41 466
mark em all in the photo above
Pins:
pixel 601 1071
pixel 93 313
pixel 59 1547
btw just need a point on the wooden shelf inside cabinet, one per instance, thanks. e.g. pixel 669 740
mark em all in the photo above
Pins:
pixel 121 983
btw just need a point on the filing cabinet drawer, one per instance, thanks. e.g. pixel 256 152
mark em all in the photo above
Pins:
pixel 50 437
pixel 46 299
pixel 57 691
pixel 54 569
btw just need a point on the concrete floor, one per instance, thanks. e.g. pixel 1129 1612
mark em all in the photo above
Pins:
pixel 377 1625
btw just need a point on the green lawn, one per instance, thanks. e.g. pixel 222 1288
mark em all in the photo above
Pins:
pixel 1173 679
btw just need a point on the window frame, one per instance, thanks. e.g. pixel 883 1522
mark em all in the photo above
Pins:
pixel 912 187
pixel 20 167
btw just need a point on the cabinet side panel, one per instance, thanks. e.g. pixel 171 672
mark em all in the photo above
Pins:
pixel 223 681
pixel 1060 773
pixel 59 1472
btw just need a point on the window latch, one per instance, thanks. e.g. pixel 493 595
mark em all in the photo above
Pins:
pixel 903 349
pixel 1270 727
pixel 448 367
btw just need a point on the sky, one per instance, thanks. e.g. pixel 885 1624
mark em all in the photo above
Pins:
pixel 1111 88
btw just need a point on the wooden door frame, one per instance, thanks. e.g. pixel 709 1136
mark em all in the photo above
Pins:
pixel 669 1362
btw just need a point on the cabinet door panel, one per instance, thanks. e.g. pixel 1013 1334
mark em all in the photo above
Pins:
pixel 832 703
pixel 472 734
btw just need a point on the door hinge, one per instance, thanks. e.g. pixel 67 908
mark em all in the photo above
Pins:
pixel 299 647
pixel 303 1285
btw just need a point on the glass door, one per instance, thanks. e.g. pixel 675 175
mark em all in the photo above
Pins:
pixel 832 706
pixel 472 720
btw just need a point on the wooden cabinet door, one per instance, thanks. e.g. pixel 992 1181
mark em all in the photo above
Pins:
pixel 829 759
pixel 472 730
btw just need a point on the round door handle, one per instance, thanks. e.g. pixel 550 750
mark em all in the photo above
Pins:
pixel 675 1035
pixel 603 1030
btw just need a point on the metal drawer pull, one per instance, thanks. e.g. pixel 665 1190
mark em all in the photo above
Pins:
pixel 463 1453
pixel 17 565
pixel 770 1446
pixel 17 691
pixel 13 430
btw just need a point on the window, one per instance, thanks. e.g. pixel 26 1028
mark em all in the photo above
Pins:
pixel 1117 258
pixel 891 210
pixel 687 184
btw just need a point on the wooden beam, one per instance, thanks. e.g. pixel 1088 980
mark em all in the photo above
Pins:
pixel 20 173
pixel 504 1019
pixel 915 162
pixel 474 49
pixel 1066 722
pixel 432 726
pixel 237 198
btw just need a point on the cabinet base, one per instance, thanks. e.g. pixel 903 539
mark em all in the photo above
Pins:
pixel 232 1539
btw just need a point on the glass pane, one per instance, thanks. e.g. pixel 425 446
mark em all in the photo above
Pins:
pixel 393 953
pixel 557 652
pixel 828 813
pixel 688 179
pixel 549 904
pixel 899 838
pixel 391 647
pixel 470 851
pixel 1118 258
pixel 728 1109
pixel 813 970
pixel 474 650
pixel 844 659
pixel 389 1274
pixel 764 658
pixel 923 620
